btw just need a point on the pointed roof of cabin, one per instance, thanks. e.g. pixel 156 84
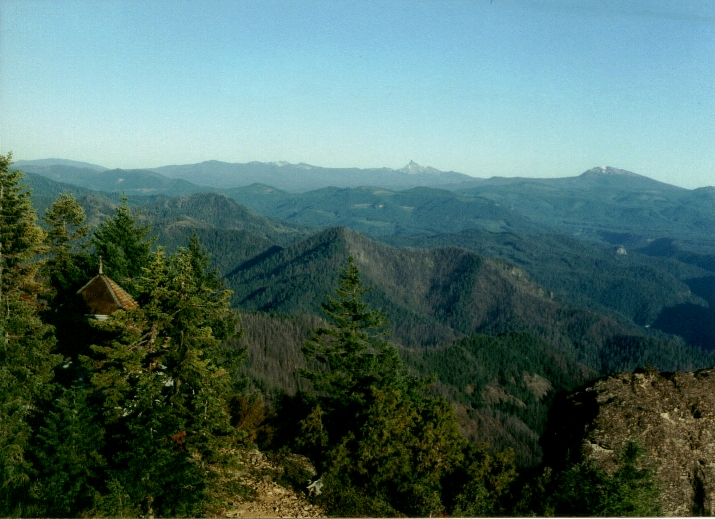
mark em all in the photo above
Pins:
pixel 104 297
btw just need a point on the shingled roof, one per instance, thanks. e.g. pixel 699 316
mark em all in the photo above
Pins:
pixel 104 297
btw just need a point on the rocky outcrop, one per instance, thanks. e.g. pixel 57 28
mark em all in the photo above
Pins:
pixel 671 416
pixel 270 499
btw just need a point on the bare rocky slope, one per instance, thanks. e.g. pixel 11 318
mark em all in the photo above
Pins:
pixel 270 499
pixel 671 416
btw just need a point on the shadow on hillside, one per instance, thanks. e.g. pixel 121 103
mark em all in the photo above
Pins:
pixel 695 324
pixel 255 260
pixel 567 425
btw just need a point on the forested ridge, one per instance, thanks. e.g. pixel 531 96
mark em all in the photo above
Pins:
pixel 416 382
pixel 656 273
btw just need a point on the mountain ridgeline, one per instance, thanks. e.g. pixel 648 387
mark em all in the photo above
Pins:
pixel 507 290
pixel 182 179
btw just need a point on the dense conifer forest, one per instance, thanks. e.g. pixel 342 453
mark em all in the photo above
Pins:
pixel 416 382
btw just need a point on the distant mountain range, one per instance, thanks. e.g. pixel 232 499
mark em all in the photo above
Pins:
pixel 382 212
pixel 20 164
pixel 130 181
pixel 304 177
pixel 603 204
pixel 608 204
pixel 216 174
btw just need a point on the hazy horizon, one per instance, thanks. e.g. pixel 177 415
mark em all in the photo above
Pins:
pixel 198 181
pixel 543 88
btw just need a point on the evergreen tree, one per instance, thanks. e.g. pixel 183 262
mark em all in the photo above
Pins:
pixel 405 449
pixel 67 454
pixel 354 349
pixel 25 342
pixel 482 485
pixel 385 446
pixel 165 384
pixel 124 245
pixel 585 490
pixel 67 268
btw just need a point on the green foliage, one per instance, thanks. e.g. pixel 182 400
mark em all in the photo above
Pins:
pixel 116 502
pixel 383 445
pixel 189 303
pixel 25 343
pixel 68 266
pixel 20 236
pixel 65 219
pixel 445 294
pixel 218 212
pixel 628 352
pixel 67 455
pixel 96 178
pixel 525 367
pixel 505 385
pixel 630 286
pixel 274 355
pixel 165 383
pixel 124 245
pixel 312 437
pixel 229 248
pixel 341 499
pixel 148 423
pixel 484 483
pixel 585 490
pixel 353 349
pixel 404 450
pixel 380 212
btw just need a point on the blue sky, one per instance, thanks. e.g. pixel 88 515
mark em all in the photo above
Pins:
pixel 539 88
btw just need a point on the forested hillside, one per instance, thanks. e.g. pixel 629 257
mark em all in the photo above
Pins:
pixel 610 205
pixel 461 337
pixel 431 296
pixel 434 297
pixel 382 212
pixel 633 285
pixel 139 409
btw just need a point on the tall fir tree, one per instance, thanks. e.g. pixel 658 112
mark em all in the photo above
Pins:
pixel 68 444
pixel 67 268
pixel 26 361
pixel 384 444
pixel 354 348
pixel 66 452
pixel 124 245
pixel 66 243
pixel 165 384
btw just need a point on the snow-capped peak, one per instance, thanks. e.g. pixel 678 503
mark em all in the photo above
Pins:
pixel 608 170
pixel 415 169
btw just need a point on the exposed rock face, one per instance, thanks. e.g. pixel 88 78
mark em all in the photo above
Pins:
pixel 671 416
pixel 272 499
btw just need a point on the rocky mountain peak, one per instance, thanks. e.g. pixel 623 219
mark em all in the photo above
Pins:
pixel 608 171
pixel 415 169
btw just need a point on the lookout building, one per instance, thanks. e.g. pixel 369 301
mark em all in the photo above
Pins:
pixel 104 297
